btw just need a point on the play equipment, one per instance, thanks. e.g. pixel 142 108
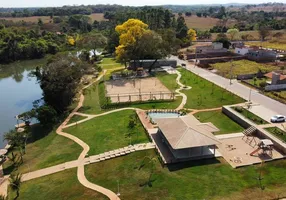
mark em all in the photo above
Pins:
pixel 265 145
pixel 249 135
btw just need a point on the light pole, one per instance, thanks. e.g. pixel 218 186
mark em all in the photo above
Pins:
pixel 249 98
pixel 230 73
pixel 118 193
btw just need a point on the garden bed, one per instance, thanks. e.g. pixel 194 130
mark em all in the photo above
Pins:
pixel 277 132
pixel 249 115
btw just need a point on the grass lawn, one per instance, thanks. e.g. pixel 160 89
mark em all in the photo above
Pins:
pixel 205 94
pixel 256 82
pixel 204 179
pixel 269 44
pixel 241 67
pixel 169 80
pixel 249 115
pixel 277 132
pixel 62 185
pixel 94 97
pixel 76 118
pixel 91 104
pixel 51 149
pixel 109 63
pixel 220 120
pixel 108 132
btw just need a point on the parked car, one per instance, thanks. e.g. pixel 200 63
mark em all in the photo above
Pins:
pixel 278 118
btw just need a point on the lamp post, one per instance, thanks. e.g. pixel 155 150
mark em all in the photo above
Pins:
pixel 249 98
pixel 118 193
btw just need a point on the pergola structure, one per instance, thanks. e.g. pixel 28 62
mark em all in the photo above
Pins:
pixel 187 138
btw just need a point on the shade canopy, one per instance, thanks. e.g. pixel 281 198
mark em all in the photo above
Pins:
pixel 186 132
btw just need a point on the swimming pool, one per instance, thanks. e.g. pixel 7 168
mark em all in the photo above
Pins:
pixel 157 115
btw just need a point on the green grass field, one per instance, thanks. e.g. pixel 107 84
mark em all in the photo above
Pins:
pixel 220 120
pixel 277 132
pixel 249 115
pixel 91 104
pixel 76 118
pixel 241 67
pixel 108 132
pixel 110 63
pixel 48 150
pixel 95 95
pixel 204 179
pixel 62 185
pixel 205 94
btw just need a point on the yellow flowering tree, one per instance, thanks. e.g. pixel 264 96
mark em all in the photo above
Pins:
pixel 192 35
pixel 129 32
pixel 71 40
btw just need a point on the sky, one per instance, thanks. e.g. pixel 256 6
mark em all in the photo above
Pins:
pixel 54 3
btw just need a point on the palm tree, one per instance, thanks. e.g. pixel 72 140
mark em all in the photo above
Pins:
pixel 15 183
pixel 15 159
pixel 151 161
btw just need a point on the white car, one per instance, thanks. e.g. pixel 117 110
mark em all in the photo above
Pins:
pixel 278 118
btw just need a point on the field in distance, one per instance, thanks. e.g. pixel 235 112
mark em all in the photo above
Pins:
pixel 47 19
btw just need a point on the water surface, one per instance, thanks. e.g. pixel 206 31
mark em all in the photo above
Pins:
pixel 18 90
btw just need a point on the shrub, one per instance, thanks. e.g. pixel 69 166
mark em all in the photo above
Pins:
pixel 238 109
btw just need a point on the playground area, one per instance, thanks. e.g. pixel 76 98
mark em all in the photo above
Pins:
pixel 139 89
pixel 240 150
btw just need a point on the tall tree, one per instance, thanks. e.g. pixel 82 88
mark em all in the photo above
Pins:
pixel 264 31
pixel 192 35
pixel 59 80
pixel 15 184
pixel 182 29
pixel 232 33
pixel 93 41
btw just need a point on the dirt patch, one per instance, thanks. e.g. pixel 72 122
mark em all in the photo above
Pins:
pixel 137 90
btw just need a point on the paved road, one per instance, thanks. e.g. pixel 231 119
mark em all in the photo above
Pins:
pixel 265 106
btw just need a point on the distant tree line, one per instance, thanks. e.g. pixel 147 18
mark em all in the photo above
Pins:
pixel 58 11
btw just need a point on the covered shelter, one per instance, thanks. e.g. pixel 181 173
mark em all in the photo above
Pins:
pixel 187 138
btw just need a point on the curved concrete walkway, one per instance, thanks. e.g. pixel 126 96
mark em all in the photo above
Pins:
pixel 80 170
pixel 81 161
pixel 182 87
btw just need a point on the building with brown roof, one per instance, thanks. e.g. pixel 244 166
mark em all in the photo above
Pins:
pixel 187 138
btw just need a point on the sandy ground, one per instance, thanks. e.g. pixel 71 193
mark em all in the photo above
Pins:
pixel 130 90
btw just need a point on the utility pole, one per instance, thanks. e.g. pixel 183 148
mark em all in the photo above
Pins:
pixel 230 72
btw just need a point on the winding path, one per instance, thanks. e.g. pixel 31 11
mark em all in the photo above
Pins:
pixel 182 87
pixel 82 160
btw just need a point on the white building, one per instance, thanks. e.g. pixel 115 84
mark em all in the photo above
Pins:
pixel 215 47
pixel 241 51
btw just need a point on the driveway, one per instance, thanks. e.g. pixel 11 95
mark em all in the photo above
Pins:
pixel 264 106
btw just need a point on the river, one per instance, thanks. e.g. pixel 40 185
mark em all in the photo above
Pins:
pixel 18 90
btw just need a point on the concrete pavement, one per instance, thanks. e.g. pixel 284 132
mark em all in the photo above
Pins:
pixel 267 107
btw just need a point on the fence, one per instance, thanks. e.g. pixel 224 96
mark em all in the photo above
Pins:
pixel 275 87
pixel 134 97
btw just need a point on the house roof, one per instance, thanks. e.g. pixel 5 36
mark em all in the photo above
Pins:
pixel 269 75
pixel 187 132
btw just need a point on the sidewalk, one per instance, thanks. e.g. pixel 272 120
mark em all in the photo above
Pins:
pixel 268 107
